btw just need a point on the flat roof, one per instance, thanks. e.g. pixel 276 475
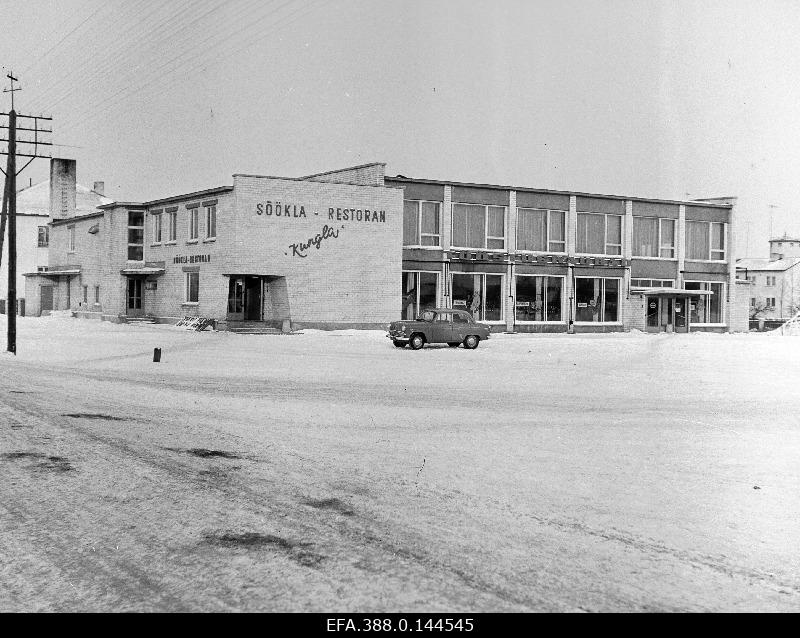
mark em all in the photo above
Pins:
pixel 78 218
pixel 527 189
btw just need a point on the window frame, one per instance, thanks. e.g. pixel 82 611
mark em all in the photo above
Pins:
pixel 193 227
pixel 483 295
pixel 71 238
pixel 618 321
pixel 563 319
pixel 605 234
pixel 670 283
pixel 419 238
pixel 172 228
pixel 187 288
pixel 211 213
pixel 486 236
pixel 157 228
pixel 660 245
pixel 417 290
pixel 131 244
pixel 46 233
pixel 723 293
pixel 548 223
pixel 709 249
pixel 97 295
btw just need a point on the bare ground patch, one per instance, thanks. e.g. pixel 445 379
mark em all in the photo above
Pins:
pixel 333 504
pixel 295 550
pixel 204 453
pixel 40 461
pixel 93 416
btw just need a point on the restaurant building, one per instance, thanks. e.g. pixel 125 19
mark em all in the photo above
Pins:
pixel 356 248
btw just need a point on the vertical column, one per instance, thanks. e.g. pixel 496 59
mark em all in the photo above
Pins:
pixel 627 253
pixel 572 234
pixel 680 244
pixel 447 233
pixel 511 245
pixel 730 243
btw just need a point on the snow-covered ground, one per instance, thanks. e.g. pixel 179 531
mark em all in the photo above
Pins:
pixel 331 471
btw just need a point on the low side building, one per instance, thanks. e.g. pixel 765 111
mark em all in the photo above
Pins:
pixel 775 285
pixel 321 251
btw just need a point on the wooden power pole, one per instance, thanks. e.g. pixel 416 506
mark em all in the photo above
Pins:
pixel 11 198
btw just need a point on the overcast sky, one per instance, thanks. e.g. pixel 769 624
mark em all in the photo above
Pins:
pixel 668 99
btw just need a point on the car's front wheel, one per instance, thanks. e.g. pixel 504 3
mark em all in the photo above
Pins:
pixel 399 344
pixel 471 342
pixel 417 341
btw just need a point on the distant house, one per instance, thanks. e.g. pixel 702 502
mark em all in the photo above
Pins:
pixel 775 282
pixel 37 206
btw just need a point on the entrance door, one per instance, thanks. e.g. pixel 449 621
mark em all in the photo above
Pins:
pixel 236 299
pixel 253 293
pixel 652 315
pixel 681 315
pixel 135 305
pixel 666 318
pixel 46 298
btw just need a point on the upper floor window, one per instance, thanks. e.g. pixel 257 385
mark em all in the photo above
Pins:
pixel 705 241
pixel 156 228
pixel 135 235
pixel 71 239
pixel 541 230
pixel 211 222
pixel 654 237
pixel 173 226
pixel 599 234
pixel 770 280
pixel 652 283
pixel 421 223
pixel 478 226
pixel 44 237
pixel 194 224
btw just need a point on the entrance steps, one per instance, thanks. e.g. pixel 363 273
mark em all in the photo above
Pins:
pixel 254 328
pixel 139 320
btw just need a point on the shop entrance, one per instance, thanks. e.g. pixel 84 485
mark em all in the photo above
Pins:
pixel 135 297
pixel 667 314
pixel 246 298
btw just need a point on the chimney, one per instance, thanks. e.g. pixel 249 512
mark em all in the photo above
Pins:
pixel 99 188
pixel 62 187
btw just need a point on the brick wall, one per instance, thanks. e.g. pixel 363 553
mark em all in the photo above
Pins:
pixel 740 307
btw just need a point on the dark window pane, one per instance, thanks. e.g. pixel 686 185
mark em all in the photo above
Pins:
pixel 531 229
pixel 136 253
pixel 410 224
pixel 611 306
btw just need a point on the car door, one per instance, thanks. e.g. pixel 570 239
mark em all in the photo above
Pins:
pixel 461 327
pixel 441 328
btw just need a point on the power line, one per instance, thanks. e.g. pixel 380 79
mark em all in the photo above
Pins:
pixel 124 93
pixel 102 72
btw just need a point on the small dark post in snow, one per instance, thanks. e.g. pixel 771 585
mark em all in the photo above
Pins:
pixel 156 355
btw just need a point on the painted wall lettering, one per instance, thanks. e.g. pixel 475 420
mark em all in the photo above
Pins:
pixel 191 259
pixel 300 249
pixel 357 215
pixel 279 209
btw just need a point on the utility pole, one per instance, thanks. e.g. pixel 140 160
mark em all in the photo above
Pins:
pixel 11 197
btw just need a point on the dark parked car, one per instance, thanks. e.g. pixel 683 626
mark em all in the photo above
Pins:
pixel 440 325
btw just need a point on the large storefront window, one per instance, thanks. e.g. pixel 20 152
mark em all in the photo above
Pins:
pixel 477 226
pixel 420 293
pixel 541 230
pixel 481 295
pixel 706 308
pixel 596 300
pixel 421 223
pixel 538 298
pixel 599 234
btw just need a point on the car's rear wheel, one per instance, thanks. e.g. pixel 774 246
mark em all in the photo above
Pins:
pixel 471 342
pixel 416 341
pixel 454 344
pixel 399 344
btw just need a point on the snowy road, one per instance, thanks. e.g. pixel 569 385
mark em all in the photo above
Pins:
pixel 331 471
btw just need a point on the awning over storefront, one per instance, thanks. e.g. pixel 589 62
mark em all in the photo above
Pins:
pixel 54 273
pixel 671 292
pixel 142 272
